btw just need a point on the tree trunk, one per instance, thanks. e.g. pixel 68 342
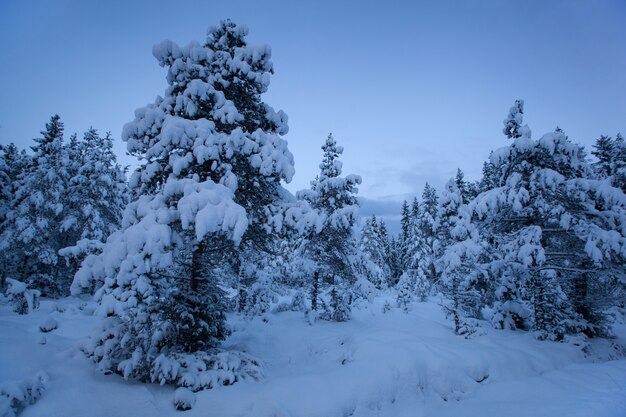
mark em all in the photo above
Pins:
pixel 196 265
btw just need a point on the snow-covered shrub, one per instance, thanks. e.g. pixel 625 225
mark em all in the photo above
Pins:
pixel 23 299
pixel 184 399
pixel 338 308
pixel 406 290
pixel 362 289
pixel 48 325
pixel 298 303
pixel 422 288
pixel 205 370
pixel 15 396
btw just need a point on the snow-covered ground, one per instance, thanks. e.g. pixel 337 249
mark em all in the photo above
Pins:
pixel 378 364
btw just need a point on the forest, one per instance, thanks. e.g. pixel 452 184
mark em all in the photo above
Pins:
pixel 172 256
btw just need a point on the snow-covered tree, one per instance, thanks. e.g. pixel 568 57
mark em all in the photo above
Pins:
pixel 557 238
pixel 208 190
pixel 404 238
pixel 619 176
pixel 604 150
pixel 332 247
pixel 611 160
pixel 513 128
pixel 490 178
pixel 374 245
pixel 13 163
pixel 98 192
pixel 458 251
pixel 34 228
pixel 423 244
pixel 463 186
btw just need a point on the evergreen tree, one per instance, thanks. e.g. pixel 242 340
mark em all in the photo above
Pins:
pixel 406 291
pixel 423 252
pixel 34 228
pixel 339 305
pixel 513 128
pixel 373 245
pixel 548 228
pixel 463 186
pixel 410 251
pixel 213 159
pixel 404 239
pixel 458 251
pixel 604 150
pixel 405 221
pixel 619 163
pixel 490 177
pixel 395 260
pixel 13 163
pixel 332 247
pixel 97 195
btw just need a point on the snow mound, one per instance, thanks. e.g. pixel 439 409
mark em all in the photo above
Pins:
pixel 15 396
pixel 48 325
pixel 184 399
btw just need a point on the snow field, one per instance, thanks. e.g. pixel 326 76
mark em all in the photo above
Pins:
pixel 378 364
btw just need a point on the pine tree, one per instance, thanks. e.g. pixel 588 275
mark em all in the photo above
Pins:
pixel 458 251
pixel 13 163
pixel 423 255
pixel 604 150
pixel 34 226
pixel 490 177
pixel 513 128
pixel 463 186
pixel 548 227
pixel 404 238
pixel 619 163
pixel 97 194
pixel 339 306
pixel 213 159
pixel 410 248
pixel 332 247
pixel 374 246
pixel 405 292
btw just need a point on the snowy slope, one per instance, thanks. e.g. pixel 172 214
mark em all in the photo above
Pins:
pixel 378 364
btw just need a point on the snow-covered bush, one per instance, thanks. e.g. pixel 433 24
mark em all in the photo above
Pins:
pixel 23 299
pixel 15 396
pixel 184 399
pixel 48 325
pixel 338 306
pixel 406 291
pixel 205 370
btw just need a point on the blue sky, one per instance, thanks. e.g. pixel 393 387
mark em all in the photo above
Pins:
pixel 412 90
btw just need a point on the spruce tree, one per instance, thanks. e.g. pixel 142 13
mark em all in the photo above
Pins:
pixel 423 255
pixel 458 252
pixel 332 247
pixel 373 245
pixel 513 128
pixel 604 150
pixel 35 226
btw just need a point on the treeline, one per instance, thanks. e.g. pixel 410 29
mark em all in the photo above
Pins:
pixel 539 243
pixel 58 204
